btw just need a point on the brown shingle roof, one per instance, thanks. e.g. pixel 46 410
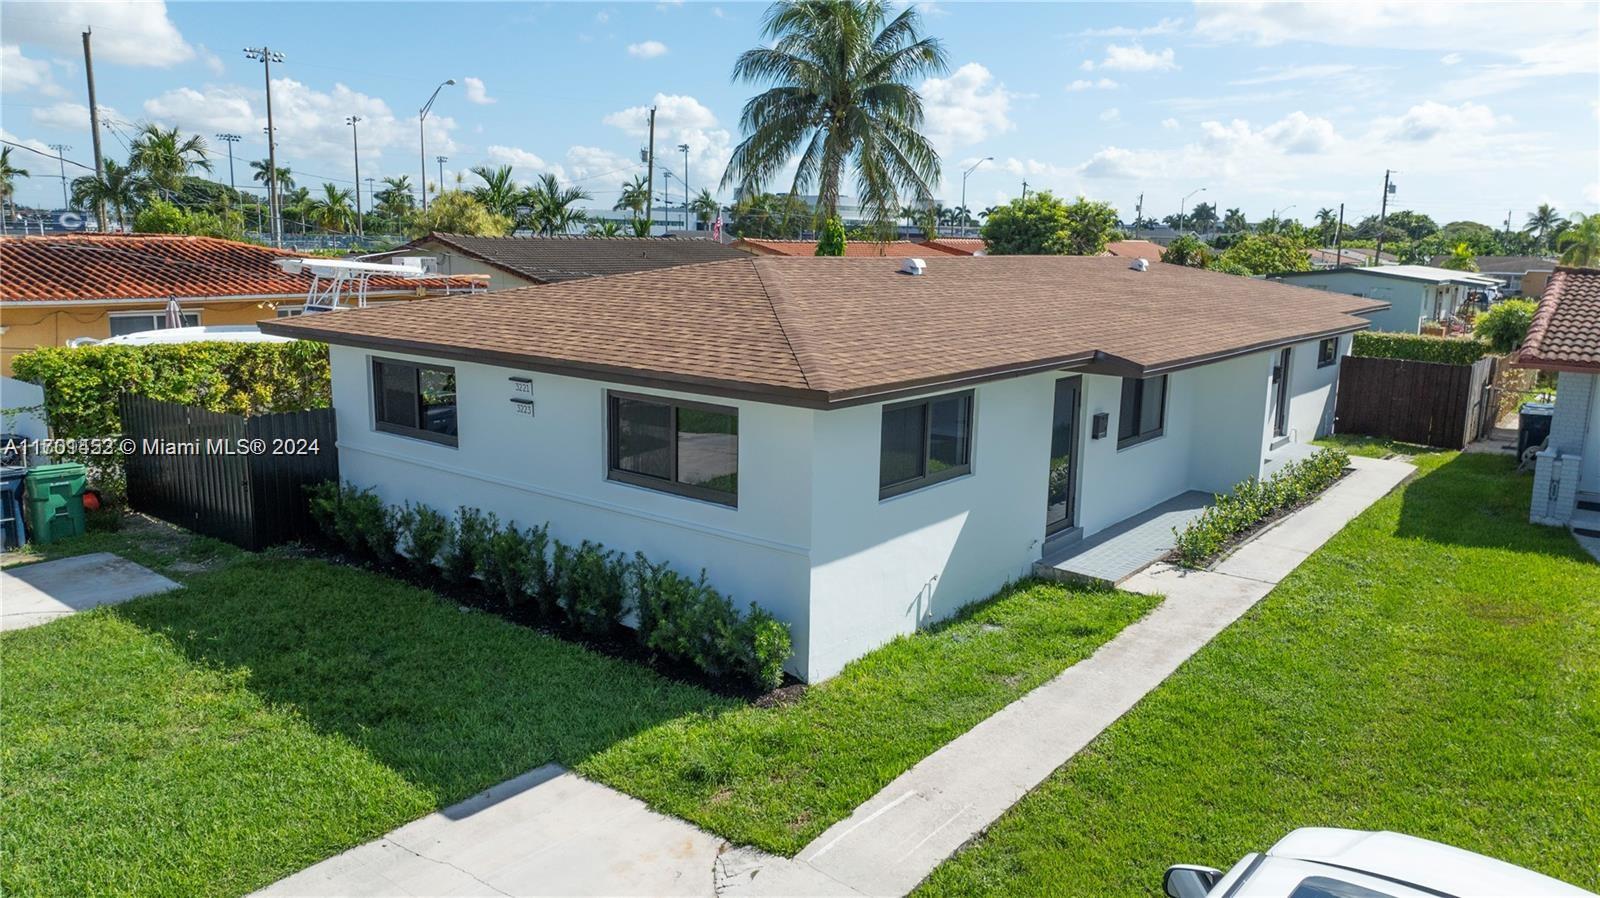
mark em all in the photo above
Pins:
pixel 99 267
pixel 960 246
pixel 820 331
pixel 1138 249
pixel 547 260
pixel 1565 335
pixel 894 249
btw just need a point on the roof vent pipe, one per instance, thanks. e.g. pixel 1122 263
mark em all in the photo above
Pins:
pixel 913 266
pixel 1140 265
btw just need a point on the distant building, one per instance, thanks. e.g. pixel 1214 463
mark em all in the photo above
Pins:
pixel 1519 275
pixel 523 261
pixel 896 249
pixel 1357 257
pixel 1416 294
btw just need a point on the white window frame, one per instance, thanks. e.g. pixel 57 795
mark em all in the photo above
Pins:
pixel 157 318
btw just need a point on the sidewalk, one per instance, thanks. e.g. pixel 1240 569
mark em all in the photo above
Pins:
pixel 550 832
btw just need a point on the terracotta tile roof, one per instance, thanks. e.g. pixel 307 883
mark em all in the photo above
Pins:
pixel 894 249
pixel 821 331
pixel 547 260
pixel 960 246
pixel 98 267
pixel 1565 335
pixel 1137 249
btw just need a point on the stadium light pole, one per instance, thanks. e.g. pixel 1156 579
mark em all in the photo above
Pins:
pixel 267 57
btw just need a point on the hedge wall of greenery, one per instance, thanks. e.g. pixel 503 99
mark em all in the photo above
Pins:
pixel 1417 348
pixel 81 385
pixel 1254 501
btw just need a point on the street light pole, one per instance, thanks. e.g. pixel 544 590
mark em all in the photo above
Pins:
pixel 964 190
pixel 355 143
pixel 1184 204
pixel 61 157
pixel 267 57
pixel 685 148
pixel 422 141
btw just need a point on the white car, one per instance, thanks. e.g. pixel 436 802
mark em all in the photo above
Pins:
pixel 1347 863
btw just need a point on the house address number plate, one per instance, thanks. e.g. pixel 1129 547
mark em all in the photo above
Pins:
pixel 522 400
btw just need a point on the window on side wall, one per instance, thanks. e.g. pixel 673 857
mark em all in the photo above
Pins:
pixel 1327 352
pixel 415 400
pixel 924 441
pixel 139 322
pixel 673 445
pixel 1144 410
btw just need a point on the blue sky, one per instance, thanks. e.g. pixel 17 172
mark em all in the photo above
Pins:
pixel 1483 110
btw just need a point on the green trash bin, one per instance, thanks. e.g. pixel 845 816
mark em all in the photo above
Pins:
pixel 54 501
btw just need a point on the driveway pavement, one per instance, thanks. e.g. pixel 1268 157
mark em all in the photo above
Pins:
pixel 33 594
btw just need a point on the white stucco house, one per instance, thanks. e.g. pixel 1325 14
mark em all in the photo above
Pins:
pixel 1565 338
pixel 859 449
pixel 1415 294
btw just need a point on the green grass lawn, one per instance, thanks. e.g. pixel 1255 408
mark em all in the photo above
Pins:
pixel 778 777
pixel 1434 669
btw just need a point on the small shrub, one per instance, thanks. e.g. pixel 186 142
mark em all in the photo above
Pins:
pixel 1419 348
pixel 464 555
pixel 1506 324
pixel 1254 501
pixel 323 501
pixel 593 587
pixel 424 533
pixel 513 563
pixel 758 648
pixel 365 525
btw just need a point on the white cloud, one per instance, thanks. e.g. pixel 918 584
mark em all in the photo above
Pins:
pixel 126 32
pixel 71 116
pixel 1450 59
pixel 680 119
pixel 647 49
pixel 594 163
pixel 1300 133
pixel 1134 58
pixel 1165 26
pixel 966 107
pixel 1171 124
pixel 524 161
pixel 212 61
pixel 1116 163
pixel 1111 115
pixel 476 92
pixel 24 74
pixel 1429 120
pixel 1082 84
pixel 603 16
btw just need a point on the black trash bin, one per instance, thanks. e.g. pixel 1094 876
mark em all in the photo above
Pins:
pixel 1533 424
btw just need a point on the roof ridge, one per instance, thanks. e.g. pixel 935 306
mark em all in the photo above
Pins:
pixel 804 357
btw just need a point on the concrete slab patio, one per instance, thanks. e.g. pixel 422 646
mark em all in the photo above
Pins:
pixel 38 593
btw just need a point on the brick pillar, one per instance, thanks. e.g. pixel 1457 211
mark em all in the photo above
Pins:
pixel 1555 475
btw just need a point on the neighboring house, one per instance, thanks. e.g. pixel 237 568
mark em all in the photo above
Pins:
pixel 58 288
pixel 859 450
pixel 894 249
pixel 1518 275
pixel 1565 338
pixel 524 261
pixel 959 246
pixel 1416 294
pixel 1136 249
pixel 1354 257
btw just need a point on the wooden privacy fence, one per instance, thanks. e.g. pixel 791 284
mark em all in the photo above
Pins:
pixel 1428 403
pixel 237 479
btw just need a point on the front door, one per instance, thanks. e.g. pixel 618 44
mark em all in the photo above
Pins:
pixel 1061 492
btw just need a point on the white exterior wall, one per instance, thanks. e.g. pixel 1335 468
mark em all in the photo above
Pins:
pixel 552 468
pixel 1409 301
pixel 1589 479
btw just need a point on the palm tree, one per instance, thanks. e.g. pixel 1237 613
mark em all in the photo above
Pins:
pixel 550 208
pixel 705 206
pixel 841 96
pixel 1203 216
pixel 296 206
pixel 634 197
pixel 499 194
pixel 285 177
pixel 1461 258
pixel 1541 222
pixel 607 228
pixel 1580 244
pixel 395 198
pixel 119 188
pixel 1234 222
pixel 8 175
pixel 331 211
pixel 164 156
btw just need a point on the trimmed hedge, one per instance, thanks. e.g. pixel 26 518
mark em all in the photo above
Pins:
pixel 586 587
pixel 1416 348
pixel 1254 501
pixel 81 385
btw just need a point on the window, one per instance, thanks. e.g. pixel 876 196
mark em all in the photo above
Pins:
pixel 414 400
pixel 1327 352
pixel 139 322
pixel 1327 887
pixel 1280 394
pixel 290 311
pixel 1144 410
pixel 924 441
pixel 675 446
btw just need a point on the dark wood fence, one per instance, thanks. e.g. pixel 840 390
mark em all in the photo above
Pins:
pixel 234 478
pixel 1416 402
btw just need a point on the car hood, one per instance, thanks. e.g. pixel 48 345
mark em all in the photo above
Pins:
pixel 1431 865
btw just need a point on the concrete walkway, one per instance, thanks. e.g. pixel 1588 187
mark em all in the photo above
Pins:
pixel 897 837
pixel 33 594
pixel 551 832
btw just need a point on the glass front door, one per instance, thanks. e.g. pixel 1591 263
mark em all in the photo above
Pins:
pixel 1060 494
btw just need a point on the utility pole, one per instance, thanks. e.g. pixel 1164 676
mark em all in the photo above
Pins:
pixel 685 148
pixel 1338 235
pixel 355 143
pixel 1138 215
pixel 441 160
pixel 267 57
pixel 650 176
pixel 61 150
pixel 1024 191
pixel 94 127
pixel 1383 216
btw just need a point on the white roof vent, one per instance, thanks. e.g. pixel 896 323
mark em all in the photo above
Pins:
pixel 913 266
pixel 1140 265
